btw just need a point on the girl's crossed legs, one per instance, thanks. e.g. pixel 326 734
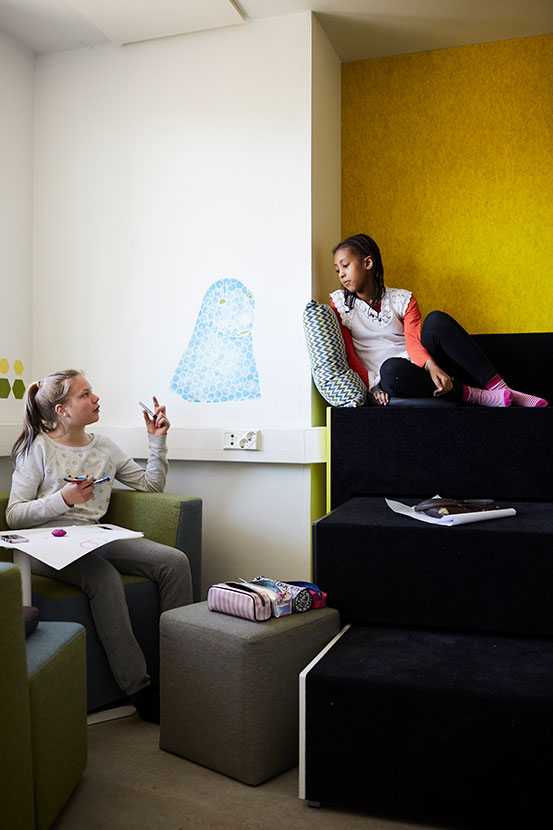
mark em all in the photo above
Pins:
pixel 475 379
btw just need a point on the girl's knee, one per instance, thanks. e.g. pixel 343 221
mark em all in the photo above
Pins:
pixel 390 375
pixel 436 321
pixel 172 559
pixel 179 561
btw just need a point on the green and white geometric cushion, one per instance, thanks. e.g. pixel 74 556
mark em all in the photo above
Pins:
pixel 336 381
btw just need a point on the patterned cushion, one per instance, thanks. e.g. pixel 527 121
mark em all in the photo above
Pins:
pixel 336 381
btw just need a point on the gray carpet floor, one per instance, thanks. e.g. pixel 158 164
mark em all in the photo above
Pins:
pixel 130 784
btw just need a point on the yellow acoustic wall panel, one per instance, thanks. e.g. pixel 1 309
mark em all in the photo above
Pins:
pixel 448 164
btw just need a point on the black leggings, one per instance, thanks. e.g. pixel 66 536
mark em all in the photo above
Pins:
pixel 453 349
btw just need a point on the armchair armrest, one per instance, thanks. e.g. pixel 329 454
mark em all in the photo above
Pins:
pixel 170 520
pixel 3 506
pixel 16 764
pixel 5 554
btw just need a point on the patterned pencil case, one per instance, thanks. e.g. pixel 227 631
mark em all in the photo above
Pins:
pixel 281 597
pixel 301 598
pixel 318 597
pixel 240 599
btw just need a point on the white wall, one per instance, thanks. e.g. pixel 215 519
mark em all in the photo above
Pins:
pixel 16 136
pixel 256 521
pixel 160 168
pixel 325 180
pixel 326 160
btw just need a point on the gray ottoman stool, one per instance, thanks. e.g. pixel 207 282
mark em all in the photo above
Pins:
pixel 229 687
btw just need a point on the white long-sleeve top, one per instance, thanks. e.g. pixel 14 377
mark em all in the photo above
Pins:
pixel 35 496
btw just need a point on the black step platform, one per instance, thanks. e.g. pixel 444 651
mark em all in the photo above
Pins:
pixel 472 452
pixel 380 568
pixel 415 723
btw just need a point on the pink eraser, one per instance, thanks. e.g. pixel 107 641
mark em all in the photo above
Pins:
pixel 59 532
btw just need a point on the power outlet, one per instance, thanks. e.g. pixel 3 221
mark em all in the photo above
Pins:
pixel 242 439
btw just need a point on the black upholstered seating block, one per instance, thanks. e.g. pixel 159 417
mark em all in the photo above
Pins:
pixel 409 721
pixel 384 569
pixel 465 452
pixel 524 359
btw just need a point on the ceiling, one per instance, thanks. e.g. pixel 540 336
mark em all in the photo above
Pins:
pixel 358 29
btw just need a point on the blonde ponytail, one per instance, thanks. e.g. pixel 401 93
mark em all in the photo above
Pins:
pixel 40 408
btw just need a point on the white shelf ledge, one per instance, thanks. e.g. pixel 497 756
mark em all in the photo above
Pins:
pixel 278 446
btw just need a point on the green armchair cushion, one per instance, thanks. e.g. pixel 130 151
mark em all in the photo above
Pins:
pixel 155 514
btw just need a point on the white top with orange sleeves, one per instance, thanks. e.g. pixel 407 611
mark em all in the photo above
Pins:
pixel 383 332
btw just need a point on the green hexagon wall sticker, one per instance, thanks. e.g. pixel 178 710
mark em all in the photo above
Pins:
pixel 18 389
pixel 4 387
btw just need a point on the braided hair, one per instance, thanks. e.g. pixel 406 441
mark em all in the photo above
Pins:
pixel 365 246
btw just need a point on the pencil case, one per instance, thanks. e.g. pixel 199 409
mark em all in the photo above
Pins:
pixel 301 598
pixel 281 597
pixel 318 597
pixel 240 599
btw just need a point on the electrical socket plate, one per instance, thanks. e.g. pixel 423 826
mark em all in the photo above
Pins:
pixel 241 439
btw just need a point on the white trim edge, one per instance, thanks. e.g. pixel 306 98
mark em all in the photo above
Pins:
pixel 278 446
pixel 303 675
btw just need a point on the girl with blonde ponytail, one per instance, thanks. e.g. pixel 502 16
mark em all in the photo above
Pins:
pixel 40 413
pixel 54 446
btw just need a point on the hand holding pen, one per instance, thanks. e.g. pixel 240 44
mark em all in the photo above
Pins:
pixel 78 491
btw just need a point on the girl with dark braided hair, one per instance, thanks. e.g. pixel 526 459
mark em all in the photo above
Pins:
pixel 394 353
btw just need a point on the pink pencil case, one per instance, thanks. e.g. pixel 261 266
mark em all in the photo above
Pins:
pixel 239 600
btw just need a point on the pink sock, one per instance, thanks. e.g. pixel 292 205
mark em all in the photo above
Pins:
pixel 487 397
pixel 519 398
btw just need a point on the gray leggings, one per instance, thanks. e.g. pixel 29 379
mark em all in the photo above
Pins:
pixel 97 575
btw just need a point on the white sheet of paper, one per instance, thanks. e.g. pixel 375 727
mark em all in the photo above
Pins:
pixel 451 520
pixel 59 551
